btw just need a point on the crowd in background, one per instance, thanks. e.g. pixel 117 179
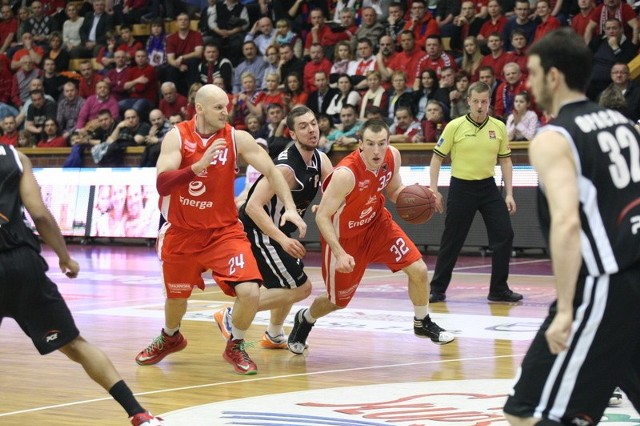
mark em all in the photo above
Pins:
pixel 408 62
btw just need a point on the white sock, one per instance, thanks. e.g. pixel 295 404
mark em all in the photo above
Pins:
pixel 275 329
pixel 420 311
pixel 308 317
pixel 171 331
pixel 236 333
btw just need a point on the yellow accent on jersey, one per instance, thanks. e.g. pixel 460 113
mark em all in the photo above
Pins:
pixel 474 147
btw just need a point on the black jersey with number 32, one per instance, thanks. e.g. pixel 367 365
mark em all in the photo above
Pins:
pixel 307 183
pixel 606 149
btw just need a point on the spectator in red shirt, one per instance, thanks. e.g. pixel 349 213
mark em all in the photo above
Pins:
pixel 422 23
pixel 433 123
pixel 406 128
pixel 407 59
pixel 8 28
pixel 142 87
pixel 498 57
pixel 495 23
pixel 580 21
pixel 184 50
pixel 507 90
pixel 547 22
pixel 317 63
pixel 172 102
pixel 386 53
pixel 88 79
pixel 319 30
pixel 270 95
pixel 345 31
pixel 6 83
pixel 50 137
pixel 519 52
pixel 128 44
pixel 118 75
pixel 436 59
pixel 293 91
pixel 29 48
pixel 9 131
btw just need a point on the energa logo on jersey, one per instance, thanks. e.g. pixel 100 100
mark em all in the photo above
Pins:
pixel 196 189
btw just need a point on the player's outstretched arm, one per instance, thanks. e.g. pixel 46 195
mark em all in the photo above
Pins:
pixel 43 219
pixel 551 156
pixel 253 154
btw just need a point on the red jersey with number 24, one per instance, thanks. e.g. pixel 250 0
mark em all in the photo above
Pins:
pixel 208 200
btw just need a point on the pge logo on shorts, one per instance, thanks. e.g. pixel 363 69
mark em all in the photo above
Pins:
pixel 51 336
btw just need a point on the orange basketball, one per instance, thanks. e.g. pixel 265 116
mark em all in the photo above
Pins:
pixel 416 204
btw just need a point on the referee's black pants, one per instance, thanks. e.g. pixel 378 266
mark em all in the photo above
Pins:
pixel 464 199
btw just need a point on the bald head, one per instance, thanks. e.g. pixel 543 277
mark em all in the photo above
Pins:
pixel 209 93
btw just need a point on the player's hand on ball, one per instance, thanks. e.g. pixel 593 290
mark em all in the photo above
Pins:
pixel 416 204
pixel 438 204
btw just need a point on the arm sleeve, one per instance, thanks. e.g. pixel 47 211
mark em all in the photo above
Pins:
pixel 168 181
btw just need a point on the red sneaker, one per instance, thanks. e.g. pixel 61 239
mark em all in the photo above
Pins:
pixel 238 358
pixel 145 419
pixel 161 346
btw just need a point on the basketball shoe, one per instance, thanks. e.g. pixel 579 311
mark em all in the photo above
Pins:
pixel 161 346
pixel 427 328
pixel 273 342
pixel 297 341
pixel 223 319
pixel 235 355
pixel 146 419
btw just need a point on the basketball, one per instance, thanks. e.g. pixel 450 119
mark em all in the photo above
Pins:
pixel 416 204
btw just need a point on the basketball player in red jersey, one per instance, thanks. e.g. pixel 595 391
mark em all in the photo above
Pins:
pixel 195 178
pixel 358 230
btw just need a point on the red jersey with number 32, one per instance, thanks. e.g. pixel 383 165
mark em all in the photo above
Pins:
pixel 365 202
pixel 208 200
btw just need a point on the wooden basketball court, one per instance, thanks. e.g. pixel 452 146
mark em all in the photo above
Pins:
pixel 118 304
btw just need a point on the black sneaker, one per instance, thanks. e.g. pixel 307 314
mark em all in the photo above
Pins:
pixel 505 296
pixel 297 341
pixel 436 297
pixel 427 328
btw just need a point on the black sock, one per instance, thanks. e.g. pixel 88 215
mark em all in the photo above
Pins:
pixel 123 395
